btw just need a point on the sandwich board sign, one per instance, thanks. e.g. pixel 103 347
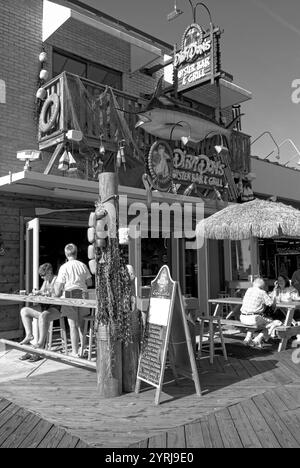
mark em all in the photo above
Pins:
pixel 166 331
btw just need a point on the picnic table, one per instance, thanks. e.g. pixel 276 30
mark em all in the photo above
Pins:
pixel 284 332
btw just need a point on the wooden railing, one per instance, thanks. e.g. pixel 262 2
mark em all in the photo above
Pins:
pixel 80 108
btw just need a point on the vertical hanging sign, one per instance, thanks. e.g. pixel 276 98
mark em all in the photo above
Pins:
pixel 166 330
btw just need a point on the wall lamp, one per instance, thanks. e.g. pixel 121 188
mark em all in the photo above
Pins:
pixel 271 136
pixel 288 140
pixel 177 12
pixel 184 139
pixel 220 147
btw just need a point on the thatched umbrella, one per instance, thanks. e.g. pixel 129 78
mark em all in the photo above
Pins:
pixel 257 218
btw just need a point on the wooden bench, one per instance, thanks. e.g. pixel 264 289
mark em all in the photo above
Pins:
pixel 239 325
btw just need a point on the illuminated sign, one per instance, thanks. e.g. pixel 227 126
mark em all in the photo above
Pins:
pixel 194 61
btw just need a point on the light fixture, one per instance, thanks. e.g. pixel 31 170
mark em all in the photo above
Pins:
pixel 28 156
pixel 275 143
pixel 74 135
pixel 222 146
pixel 185 138
pixel 287 140
pixel 72 163
pixel 63 163
pixel 189 189
pixel 67 161
pixel 175 13
pixel 102 147
pixel 121 154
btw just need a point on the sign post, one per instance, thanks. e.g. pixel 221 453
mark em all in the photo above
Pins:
pixel 166 330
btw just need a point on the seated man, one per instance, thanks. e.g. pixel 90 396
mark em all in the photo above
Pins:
pixel 252 312
pixel 73 275
pixel 41 312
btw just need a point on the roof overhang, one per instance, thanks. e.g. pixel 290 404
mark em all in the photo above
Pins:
pixel 230 94
pixel 40 185
pixel 56 15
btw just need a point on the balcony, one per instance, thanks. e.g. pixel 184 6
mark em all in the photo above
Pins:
pixel 87 106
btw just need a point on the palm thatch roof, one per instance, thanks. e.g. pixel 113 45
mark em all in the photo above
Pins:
pixel 257 218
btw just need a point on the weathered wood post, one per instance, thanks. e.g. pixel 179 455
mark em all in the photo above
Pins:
pixel 109 353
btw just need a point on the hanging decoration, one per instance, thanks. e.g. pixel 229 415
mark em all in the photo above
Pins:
pixel 41 93
pixel 113 292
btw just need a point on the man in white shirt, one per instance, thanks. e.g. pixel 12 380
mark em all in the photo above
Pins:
pixel 73 275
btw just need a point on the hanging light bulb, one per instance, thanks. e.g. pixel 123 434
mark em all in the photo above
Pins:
pixel 121 153
pixel 72 163
pixel 63 164
pixel 189 189
pixel 119 158
pixel 219 197
pixel 102 147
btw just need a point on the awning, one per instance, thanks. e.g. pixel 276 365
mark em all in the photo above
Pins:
pixel 142 52
pixel 231 94
pixel 40 185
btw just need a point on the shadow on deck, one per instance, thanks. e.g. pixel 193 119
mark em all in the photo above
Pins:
pixel 250 400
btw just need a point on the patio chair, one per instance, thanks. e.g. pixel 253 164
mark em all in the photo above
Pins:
pixel 214 327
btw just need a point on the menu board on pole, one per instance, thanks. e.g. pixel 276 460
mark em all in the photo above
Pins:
pixel 166 330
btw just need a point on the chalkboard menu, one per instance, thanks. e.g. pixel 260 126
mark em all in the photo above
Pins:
pixel 152 354
pixel 164 327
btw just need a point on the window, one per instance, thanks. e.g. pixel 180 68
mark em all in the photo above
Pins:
pixel 241 259
pixel 93 71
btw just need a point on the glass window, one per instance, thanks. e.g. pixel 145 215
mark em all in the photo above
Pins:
pixel 241 259
pixel 190 283
pixel 155 254
pixel 81 67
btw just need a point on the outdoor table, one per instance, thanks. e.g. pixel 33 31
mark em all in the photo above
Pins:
pixel 39 299
pixel 284 332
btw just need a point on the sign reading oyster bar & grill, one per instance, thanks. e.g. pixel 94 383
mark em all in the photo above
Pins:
pixel 194 60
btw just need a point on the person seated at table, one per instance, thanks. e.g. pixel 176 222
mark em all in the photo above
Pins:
pixel 41 312
pixel 254 304
pixel 73 275
pixel 282 292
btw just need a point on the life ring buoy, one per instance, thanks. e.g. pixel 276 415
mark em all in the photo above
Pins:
pixel 53 102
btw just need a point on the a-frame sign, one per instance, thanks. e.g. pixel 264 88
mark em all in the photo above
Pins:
pixel 166 330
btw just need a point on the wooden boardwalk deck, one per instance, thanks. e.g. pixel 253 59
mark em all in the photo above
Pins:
pixel 252 400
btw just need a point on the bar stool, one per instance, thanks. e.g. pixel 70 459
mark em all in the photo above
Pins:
pixel 63 334
pixel 88 332
pixel 214 326
pixel 225 308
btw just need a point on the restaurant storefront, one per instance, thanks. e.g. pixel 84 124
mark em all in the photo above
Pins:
pixel 172 145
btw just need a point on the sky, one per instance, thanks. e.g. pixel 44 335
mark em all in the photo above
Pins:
pixel 260 47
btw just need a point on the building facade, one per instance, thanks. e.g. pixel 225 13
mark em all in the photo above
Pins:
pixel 99 77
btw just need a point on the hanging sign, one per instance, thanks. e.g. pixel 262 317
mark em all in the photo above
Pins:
pixel 166 330
pixel 194 62
pixel 179 167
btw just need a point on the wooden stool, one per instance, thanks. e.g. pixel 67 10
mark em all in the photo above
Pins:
pixel 88 332
pixel 214 325
pixel 225 308
pixel 63 334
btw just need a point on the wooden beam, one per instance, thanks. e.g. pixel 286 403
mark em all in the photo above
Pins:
pixel 53 158
pixel 63 358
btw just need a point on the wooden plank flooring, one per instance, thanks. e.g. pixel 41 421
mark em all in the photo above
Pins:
pixel 252 400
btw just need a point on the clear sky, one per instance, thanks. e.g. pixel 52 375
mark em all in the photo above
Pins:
pixel 260 48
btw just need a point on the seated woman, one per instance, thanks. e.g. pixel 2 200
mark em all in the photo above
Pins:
pixel 282 292
pixel 43 313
